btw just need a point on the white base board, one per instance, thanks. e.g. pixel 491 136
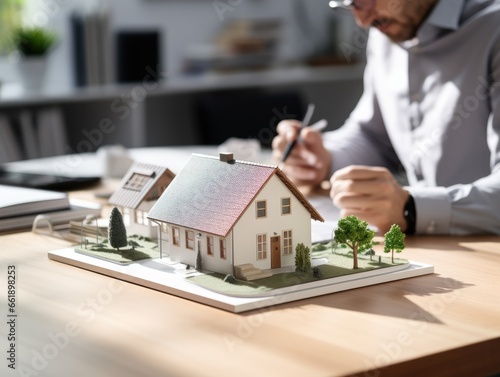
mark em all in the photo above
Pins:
pixel 164 277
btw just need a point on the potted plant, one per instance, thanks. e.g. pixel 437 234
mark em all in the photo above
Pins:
pixel 33 45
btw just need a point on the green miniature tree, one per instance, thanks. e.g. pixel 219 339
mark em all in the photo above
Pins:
pixel 198 264
pixel 133 244
pixel 116 229
pixel 354 233
pixel 394 241
pixel 302 258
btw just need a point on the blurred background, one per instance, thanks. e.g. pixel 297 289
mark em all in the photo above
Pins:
pixel 171 72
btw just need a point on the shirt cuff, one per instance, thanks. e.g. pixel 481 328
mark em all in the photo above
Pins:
pixel 433 208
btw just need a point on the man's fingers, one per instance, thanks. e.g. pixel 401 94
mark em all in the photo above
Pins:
pixel 286 126
pixel 361 187
pixel 361 202
pixel 356 172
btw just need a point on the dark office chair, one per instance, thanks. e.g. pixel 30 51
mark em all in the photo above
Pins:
pixel 245 114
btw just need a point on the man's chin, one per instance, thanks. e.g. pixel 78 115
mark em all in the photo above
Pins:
pixel 394 32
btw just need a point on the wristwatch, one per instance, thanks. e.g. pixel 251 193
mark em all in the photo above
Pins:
pixel 410 215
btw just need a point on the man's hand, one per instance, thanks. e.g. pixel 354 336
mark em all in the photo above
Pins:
pixel 309 162
pixel 370 193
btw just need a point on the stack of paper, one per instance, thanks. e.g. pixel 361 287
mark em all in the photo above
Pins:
pixel 19 206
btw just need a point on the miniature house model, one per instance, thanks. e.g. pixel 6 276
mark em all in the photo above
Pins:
pixel 139 189
pixel 235 214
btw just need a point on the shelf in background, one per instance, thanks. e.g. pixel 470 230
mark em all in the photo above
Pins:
pixel 12 94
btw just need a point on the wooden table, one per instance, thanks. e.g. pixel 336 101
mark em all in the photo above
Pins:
pixel 72 322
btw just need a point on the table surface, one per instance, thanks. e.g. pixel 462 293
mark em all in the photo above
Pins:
pixel 72 322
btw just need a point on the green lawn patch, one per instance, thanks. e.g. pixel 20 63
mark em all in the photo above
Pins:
pixel 126 255
pixel 338 264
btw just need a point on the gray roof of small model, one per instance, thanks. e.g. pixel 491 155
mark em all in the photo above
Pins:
pixel 210 195
pixel 124 197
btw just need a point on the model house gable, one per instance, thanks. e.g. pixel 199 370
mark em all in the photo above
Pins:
pixel 139 189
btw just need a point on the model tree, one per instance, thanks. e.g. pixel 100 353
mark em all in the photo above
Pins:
pixel 302 258
pixel 198 264
pixel 354 233
pixel 394 241
pixel 117 231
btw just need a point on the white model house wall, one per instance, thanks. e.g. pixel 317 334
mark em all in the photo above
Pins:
pixel 217 261
pixel 241 243
pixel 248 228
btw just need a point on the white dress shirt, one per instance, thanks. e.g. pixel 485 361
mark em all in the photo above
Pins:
pixel 432 106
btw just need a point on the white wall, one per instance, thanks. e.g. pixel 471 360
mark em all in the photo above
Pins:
pixel 185 22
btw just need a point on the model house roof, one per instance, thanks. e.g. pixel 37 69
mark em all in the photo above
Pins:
pixel 140 183
pixel 210 195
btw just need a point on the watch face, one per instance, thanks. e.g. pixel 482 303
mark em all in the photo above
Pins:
pixel 410 215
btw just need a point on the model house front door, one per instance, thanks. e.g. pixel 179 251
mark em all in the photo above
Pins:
pixel 275 252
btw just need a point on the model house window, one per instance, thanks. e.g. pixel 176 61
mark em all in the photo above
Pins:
pixel 176 236
pixel 286 208
pixel 222 245
pixel 164 228
pixel 136 182
pixel 287 242
pixel 210 245
pixel 261 246
pixel 141 217
pixel 261 208
pixel 189 239
pixel 126 216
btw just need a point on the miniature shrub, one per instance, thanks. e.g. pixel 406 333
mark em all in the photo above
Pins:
pixel 302 258
pixel 133 244
pixel 198 265
pixel 319 247
pixel 317 273
pixel 230 279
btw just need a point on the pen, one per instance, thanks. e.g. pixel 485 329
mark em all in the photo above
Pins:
pixel 320 125
pixel 305 123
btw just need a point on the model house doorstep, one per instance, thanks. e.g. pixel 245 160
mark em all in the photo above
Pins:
pixel 232 213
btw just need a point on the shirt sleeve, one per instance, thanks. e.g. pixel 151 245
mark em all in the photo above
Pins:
pixel 363 139
pixel 467 208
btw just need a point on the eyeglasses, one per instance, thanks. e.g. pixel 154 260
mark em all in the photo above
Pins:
pixel 361 5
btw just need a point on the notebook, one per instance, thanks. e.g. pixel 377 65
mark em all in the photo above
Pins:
pixel 19 201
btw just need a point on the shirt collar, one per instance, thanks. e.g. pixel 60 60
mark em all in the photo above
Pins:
pixel 446 14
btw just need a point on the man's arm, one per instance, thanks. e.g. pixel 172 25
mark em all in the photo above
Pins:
pixel 467 208
pixel 363 139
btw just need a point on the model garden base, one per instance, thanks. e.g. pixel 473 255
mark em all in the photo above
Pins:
pixel 169 277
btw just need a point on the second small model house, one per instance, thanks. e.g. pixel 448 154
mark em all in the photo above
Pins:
pixel 237 215
pixel 139 189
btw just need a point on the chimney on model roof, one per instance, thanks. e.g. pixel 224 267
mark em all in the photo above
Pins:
pixel 226 157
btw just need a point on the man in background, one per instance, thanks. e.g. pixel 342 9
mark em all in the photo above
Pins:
pixel 431 104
